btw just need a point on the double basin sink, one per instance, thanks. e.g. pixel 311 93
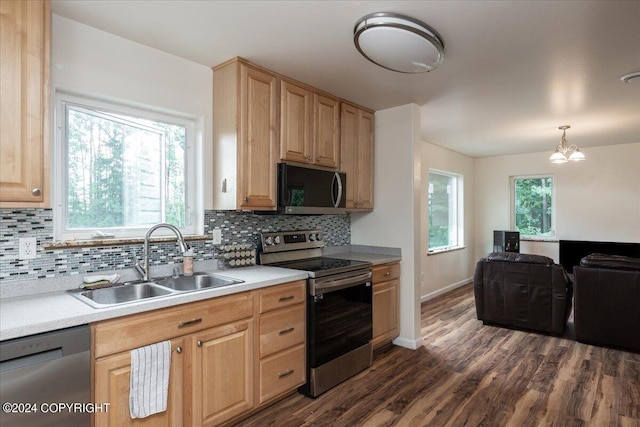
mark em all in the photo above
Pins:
pixel 156 288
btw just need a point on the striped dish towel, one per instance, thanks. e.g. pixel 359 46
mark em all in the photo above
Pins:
pixel 149 379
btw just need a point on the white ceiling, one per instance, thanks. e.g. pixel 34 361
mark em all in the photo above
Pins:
pixel 513 71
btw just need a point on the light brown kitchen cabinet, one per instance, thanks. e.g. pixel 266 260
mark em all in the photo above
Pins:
pixel 281 349
pixel 222 384
pixel 357 136
pixel 326 131
pixel 245 115
pixel 24 104
pixel 296 108
pixel 309 125
pixel 386 288
pixel 112 379
pixel 221 370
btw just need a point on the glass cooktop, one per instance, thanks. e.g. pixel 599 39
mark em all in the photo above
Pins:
pixel 324 266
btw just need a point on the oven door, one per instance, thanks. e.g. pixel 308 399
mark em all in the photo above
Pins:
pixel 339 316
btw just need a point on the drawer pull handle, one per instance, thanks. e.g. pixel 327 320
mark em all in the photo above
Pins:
pixel 387 273
pixel 287 298
pixel 285 373
pixel 199 343
pixel 179 350
pixel 189 322
pixel 286 331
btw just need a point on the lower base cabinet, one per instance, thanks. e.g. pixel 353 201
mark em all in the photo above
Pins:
pixel 386 293
pixel 218 373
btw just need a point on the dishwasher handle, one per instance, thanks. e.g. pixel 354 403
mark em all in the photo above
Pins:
pixel 32 359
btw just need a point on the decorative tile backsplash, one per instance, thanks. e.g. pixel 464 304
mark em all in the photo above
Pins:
pixel 237 227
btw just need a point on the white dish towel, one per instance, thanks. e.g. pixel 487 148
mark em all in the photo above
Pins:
pixel 149 379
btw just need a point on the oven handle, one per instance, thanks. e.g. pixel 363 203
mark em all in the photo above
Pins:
pixel 336 285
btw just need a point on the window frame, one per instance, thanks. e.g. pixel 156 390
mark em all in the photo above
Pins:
pixel 512 206
pixel 193 218
pixel 458 210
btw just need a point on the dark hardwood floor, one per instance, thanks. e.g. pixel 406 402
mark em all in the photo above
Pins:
pixel 469 374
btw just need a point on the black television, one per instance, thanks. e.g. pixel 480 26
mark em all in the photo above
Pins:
pixel 572 251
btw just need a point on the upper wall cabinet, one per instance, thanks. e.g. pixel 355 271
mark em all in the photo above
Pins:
pixel 357 155
pixel 24 104
pixel 245 111
pixel 309 125
pixel 261 117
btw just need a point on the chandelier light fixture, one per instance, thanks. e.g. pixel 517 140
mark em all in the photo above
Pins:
pixel 563 149
pixel 398 43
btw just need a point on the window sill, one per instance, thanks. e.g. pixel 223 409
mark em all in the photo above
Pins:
pixel 93 243
pixel 441 251
pixel 539 239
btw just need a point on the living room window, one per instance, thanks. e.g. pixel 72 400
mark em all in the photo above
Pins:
pixel 121 169
pixel 445 211
pixel 533 206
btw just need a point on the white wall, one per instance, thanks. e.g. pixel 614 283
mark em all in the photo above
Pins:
pixel 598 199
pixel 88 61
pixel 396 217
pixel 444 271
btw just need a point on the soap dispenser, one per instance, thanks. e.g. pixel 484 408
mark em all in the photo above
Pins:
pixel 187 262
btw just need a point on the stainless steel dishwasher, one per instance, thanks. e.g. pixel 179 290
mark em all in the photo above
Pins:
pixel 45 379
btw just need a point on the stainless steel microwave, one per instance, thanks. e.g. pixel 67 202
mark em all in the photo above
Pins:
pixel 307 190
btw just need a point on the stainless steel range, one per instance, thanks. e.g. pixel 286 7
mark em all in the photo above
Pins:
pixel 339 315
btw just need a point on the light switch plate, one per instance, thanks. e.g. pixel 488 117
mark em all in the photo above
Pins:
pixel 217 236
pixel 27 247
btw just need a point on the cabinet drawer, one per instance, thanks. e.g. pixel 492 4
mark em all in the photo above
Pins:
pixel 282 372
pixel 386 272
pixel 126 333
pixel 282 296
pixel 281 329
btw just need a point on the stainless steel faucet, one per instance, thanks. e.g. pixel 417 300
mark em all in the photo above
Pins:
pixel 144 271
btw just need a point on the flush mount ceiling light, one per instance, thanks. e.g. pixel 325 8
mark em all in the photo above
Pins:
pixel 560 155
pixel 631 77
pixel 398 43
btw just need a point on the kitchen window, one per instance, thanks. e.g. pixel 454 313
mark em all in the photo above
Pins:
pixel 533 206
pixel 121 170
pixel 445 211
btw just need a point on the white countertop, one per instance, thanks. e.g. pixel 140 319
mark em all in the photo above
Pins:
pixel 32 314
pixel 35 312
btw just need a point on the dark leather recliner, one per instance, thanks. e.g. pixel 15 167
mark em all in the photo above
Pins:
pixel 522 291
pixel 607 306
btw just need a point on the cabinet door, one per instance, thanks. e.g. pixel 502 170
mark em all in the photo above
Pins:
pixel 364 161
pixel 112 383
pixel 24 105
pixel 385 312
pixel 295 123
pixel 348 143
pixel 258 144
pixel 356 141
pixel 326 131
pixel 222 373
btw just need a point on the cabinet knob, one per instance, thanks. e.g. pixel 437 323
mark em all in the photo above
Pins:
pixel 36 191
pixel 246 199
pixel 308 157
pixel 179 350
pixel 387 273
pixel 199 343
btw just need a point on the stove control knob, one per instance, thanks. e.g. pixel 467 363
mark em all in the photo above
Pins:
pixel 312 237
pixel 319 236
pixel 268 241
pixel 276 240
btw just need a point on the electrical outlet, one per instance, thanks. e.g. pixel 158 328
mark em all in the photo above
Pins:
pixel 217 237
pixel 27 247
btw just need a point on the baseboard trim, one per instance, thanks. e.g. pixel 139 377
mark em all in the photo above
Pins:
pixel 410 344
pixel 446 289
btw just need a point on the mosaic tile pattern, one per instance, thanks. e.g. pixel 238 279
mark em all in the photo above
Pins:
pixel 237 227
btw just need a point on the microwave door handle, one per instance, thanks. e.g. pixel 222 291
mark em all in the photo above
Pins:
pixel 336 200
